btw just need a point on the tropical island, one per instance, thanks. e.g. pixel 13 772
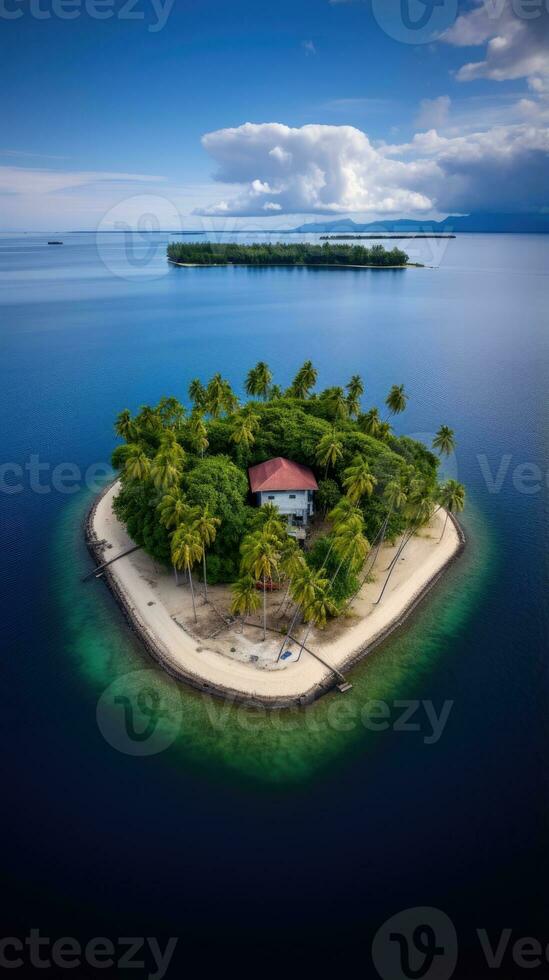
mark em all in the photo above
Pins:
pixel 279 253
pixel 379 237
pixel 269 543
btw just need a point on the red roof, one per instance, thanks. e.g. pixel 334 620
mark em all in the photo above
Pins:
pixel 281 474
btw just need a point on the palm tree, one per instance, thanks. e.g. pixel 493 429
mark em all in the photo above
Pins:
pixel 230 401
pixel 149 419
pixel 137 465
pixel 419 507
pixel 260 558
pixel 173 509
pixel 198 433
pixel 251 384
pixel 355 391
pixel 304 380
pixel 246 598
pixel 186 549
pixel 197 393
pixel 171 413
pixel 244 427
pixel 395 496
pixel 275 393
pixel 370 422
pixel 291 564
pixel 350 545
pixel 383 430
pixel 343 512
pixel 338 403
pixel 358 480
pixel 452 497
pixel 444 441
pixel 258 380
pixel 165 469
pixel 264 376
pixel 125 426
pixel 396 400
pixel 303 586
pixel 205 524
pixel 219 397
pixel 319 609
pixel 329 450
pixel 302 590
pixel 267 514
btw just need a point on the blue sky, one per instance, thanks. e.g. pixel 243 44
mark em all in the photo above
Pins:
pixel 99 112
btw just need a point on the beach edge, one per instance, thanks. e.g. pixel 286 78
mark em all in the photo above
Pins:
pixel 233 695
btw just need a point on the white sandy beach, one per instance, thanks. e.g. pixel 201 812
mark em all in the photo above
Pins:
pixel 218 655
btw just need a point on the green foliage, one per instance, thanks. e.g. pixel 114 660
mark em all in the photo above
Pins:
pixel 327 496
pixel 277 253
pixel 345 582
pixel 215 482
pixel 136 506
pixel 175 466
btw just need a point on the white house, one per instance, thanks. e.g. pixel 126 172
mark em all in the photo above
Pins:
pixel 289 486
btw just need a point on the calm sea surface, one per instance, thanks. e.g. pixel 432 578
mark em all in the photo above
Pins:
pixel 304 833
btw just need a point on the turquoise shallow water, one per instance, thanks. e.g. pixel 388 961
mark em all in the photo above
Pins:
pixel 281 749
pixel 346 825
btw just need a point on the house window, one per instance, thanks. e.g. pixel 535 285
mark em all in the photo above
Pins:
pixel 271 496
pixel 292 496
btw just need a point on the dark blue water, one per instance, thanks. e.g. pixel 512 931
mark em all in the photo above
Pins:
pixel 102 843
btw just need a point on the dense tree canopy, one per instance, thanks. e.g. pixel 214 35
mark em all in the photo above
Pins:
pixel 278 253
pixel 184 473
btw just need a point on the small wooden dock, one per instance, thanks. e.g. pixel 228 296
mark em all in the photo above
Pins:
pixel 96 572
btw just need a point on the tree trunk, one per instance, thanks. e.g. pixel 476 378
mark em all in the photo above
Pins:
pixel 288 632
pixel 284 601
pixel 378 540
pixel 264 609
pixel 407 534
pixel 176 575
pixel 205 579
pixel 192 592
pixel 444 528
pixel 303 642
pixel 393 563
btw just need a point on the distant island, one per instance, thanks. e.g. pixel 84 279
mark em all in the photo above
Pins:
pixel 377 237
pixel 209 253
pixel 482 222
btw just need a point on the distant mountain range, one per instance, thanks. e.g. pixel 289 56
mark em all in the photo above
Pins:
pixel 481 222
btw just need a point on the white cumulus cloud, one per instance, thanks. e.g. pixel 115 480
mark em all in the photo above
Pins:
pixel 516 36
pixel 337 169
pixel 327 169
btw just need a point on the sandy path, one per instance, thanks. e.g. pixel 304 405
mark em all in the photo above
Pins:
pixel 159 607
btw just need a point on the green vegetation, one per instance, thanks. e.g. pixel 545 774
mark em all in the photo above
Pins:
pixel 278 253
pixel 185 494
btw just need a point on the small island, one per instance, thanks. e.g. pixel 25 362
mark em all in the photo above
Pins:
pixel 379 237
pixel 261 546
pixel 279 253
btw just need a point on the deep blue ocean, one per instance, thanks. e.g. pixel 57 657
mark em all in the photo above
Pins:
pixel 254 847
